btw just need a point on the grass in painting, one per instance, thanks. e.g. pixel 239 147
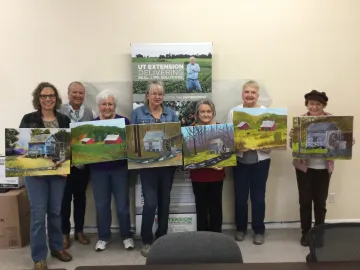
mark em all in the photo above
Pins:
pixel 21 162
pixel 98 152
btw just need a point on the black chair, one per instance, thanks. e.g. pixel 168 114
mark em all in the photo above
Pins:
pixel 334 243
pixel 194 247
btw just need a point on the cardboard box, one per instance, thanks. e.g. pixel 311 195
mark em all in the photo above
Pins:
pixel 9 182
pixel 14 219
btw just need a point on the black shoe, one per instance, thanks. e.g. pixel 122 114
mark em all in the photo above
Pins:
pixel 304 241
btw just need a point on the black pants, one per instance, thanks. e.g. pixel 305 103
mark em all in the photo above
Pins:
pixel 208 199
pixel 313 187
pixel 76 184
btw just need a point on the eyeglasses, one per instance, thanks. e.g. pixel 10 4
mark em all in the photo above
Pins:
pixel 157 94
pixel 108 104
pixel 51 96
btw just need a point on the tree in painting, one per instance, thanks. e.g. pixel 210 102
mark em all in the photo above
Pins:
pixel 208 146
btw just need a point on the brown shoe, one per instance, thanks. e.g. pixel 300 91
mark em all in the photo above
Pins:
pixel 66 241
pixel 61 255
pixel 41 265
pixel 81 238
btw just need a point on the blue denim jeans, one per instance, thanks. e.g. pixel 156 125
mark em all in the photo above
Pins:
pixel 45 196
pixel 105 183
pixel 156 187
pixel 250 178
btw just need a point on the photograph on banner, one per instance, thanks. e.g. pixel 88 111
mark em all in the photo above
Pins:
pixel 154 145
pixel 208 146
pixel 325 137
pixel 184 68
pixel 185 110
pixel 98 141
pixel 37 151
pixel 260 128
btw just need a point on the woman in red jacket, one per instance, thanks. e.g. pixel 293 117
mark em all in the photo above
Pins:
pixel 208 182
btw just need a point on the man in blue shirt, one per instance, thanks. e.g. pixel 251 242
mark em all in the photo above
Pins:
pixel 192 77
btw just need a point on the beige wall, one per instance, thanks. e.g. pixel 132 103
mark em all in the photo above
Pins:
pixel 289 46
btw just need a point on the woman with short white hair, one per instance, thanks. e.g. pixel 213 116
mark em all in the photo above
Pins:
pixel 111 178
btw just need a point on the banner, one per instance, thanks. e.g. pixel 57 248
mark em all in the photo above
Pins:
pixel 184 68
pixel 177 223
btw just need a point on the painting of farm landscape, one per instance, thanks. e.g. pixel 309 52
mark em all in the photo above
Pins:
pixel 37 151
pixel 260 128
pixel 98 141
pixel 208 146
pixel 325 137
pixel 154 145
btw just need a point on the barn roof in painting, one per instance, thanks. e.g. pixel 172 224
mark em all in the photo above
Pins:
pixel 322 127
pixel 42 138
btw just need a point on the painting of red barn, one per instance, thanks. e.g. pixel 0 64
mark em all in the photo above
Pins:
pixel 268 126
pixel 112 139
pixel 260 128
pixel 243 126
pixel 87 141
pixel 98 141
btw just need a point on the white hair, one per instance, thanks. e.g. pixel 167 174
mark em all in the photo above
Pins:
pixel 104 94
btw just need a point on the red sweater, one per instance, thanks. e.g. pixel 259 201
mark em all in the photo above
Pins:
pixel 207 174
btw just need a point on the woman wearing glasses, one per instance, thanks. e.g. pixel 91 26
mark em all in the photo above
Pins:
pixel 156 182
pixel 46 192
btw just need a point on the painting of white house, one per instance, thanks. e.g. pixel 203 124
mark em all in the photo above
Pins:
pixel 154 145
pixel 98 141
pixel 208 146
pixel 37 151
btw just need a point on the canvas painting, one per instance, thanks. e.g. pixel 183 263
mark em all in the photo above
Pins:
pixel 260 128
pixel 98 141
pixel 154 145
pixel 325 137
pixel 208 146
pixel 37 151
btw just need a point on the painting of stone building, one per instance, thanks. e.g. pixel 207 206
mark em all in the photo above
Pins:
pixel 328 137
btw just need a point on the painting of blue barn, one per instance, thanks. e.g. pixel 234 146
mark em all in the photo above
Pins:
pixel 43 145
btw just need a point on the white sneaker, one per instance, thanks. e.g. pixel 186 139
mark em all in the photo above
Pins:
pixel 129 243
pixel 101 245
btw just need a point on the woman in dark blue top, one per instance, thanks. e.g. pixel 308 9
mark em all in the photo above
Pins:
pixel 111 178
pixel 156 182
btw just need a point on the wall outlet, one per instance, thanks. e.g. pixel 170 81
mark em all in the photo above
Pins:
pixel 331 197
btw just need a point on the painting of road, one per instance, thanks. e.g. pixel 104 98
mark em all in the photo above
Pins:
pixel 37 151
pixel 98 141
pixel 260 128
pixel 154 145
pixel 208 146
pixel 324 137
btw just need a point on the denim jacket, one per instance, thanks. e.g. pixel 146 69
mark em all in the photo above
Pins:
pixel 142 115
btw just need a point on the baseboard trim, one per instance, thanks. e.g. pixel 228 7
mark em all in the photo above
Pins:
pixel 231 226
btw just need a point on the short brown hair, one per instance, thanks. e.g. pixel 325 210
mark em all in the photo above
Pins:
pixel 36 95
pixel 317 96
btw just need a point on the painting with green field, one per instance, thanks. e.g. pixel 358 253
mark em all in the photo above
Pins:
pixel 184 68
pixel 323 137
pixel 37 151
pixel 260 128
pixel 98 141
pixel 208 146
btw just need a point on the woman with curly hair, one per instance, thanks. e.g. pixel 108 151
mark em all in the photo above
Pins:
pixel 46 192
